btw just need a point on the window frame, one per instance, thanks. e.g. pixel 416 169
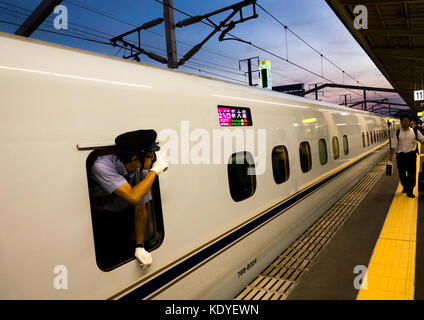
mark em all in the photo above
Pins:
pixel 345 146
pixel 285 162
pixel 107 260
pixel 335 156
pixel 308 154
pixel 320 153
pixel 234 188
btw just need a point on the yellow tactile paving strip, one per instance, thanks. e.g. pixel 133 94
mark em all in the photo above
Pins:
pixel 391 271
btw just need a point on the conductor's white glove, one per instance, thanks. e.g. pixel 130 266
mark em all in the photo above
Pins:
pixel 144 257
pixel 159 166
pixel 389 163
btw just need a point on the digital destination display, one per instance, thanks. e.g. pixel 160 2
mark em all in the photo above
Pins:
pixel 234 117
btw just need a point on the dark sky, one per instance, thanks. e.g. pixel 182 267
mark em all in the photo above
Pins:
pixel 312 20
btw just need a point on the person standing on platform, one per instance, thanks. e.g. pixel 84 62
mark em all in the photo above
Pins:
pixel 405 146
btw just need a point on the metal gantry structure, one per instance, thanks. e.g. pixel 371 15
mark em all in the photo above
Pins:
pixel 172 60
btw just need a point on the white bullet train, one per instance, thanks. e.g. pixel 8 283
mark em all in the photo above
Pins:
pixel 212 225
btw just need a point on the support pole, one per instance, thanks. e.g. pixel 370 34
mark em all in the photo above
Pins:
pixel 249 70
pixel 171 44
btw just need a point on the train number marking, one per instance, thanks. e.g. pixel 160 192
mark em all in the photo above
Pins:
pixel 246 268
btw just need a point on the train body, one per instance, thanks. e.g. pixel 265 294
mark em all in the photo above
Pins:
pixel 209 240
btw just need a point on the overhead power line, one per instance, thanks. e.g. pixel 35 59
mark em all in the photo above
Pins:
pixel 58 33
pixel 310 46
pixel 277 56
pixel 260 48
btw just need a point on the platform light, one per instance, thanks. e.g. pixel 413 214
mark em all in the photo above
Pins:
pixel 305 121
pixel 265 75
pixel 420 114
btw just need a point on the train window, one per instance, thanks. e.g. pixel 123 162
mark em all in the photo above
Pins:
pixel 322 147
pixel 345 145
pixel 368 139
pixel 280 164
pixel 372 137
pixel 113 224
pixel 241 175
pixel 305 157
pixel 363 139
pixel 336 150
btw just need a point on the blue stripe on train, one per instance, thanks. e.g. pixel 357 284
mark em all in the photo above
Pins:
pixel 184 266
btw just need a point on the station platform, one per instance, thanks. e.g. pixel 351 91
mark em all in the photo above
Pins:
pixel 368 246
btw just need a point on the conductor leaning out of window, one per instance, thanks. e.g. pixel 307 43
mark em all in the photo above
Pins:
pixel 125 179
pixel 405 145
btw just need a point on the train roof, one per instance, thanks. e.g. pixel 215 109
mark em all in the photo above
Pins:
pixel 259 91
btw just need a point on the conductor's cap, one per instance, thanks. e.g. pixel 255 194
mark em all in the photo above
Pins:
pixel 136 141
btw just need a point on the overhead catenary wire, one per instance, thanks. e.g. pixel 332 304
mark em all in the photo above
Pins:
pixel 208 24
pixel 49 19
pixel 128 23
pixel 260 48
pixel 18 14
pixel 273 54
pixel 200 70
pixel 58 33
pixel 287 29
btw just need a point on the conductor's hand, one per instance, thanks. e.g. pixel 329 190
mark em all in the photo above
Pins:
pixel 159 166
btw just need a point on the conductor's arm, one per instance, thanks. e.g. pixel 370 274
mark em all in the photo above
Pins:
pixel 135 194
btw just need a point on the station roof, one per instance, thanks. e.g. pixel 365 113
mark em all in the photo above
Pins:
pixel 394 40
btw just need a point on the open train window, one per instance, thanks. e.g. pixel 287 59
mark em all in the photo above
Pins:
pixel 241 175
pixel 336 149
pixel 280 164
pixel 322 148
pixel 305 157
pixel 363 139
pixel 114 235
pixel 345 145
